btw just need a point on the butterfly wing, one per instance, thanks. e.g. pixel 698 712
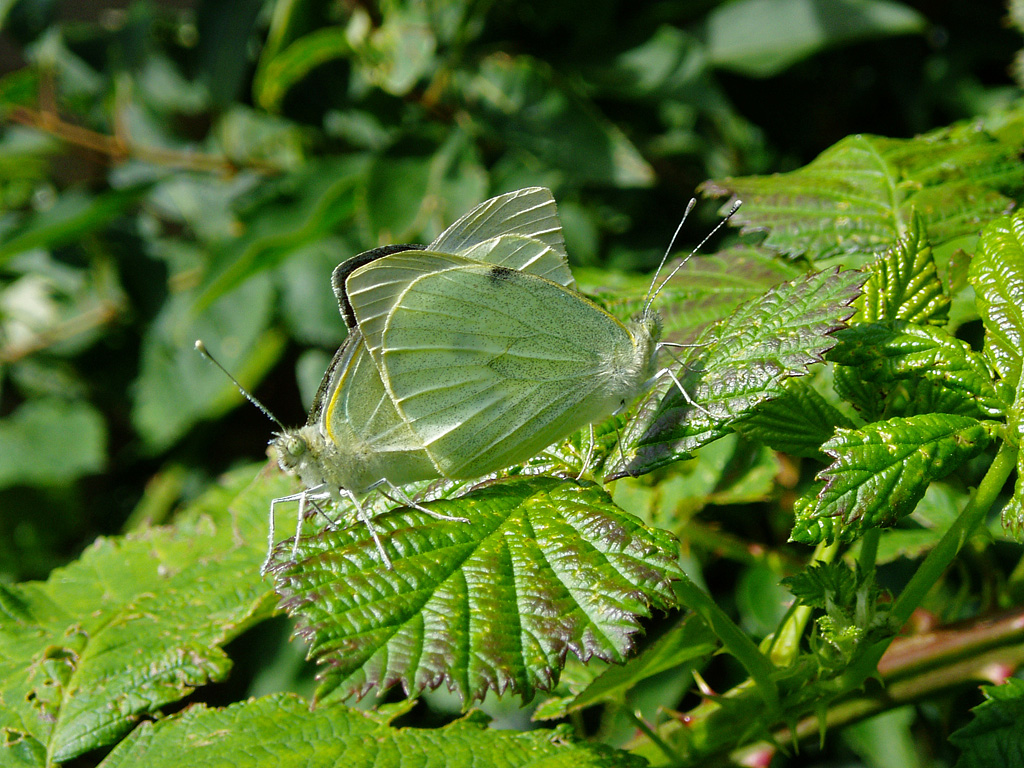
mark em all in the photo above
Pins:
pixel 529 212
pixel 343 270
pixel 487 364
pixel 368 439
pixel 524 254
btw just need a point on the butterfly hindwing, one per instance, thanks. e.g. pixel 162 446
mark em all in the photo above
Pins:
pixel 529 212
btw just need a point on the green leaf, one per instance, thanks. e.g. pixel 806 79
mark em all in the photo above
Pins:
pixel 859 194
pixel 225 32
pixel 686 643
pixel 72 216
pixel 396 194
pixel 997 274
pixel 545 567
pixel 796 422
pixel 761 601
pixel 285 68
pixel 903 283
pixel 51 441
pixel 761 38
pixel 1013 512
pixel 914 369
pixel 283 730
pixel 994 736
pixel 888 740
pixel 398 52
pixel 882 470
pixel 739 364
pixel 528 106
pixel 824 585
pixel 669 64
pixel 728 471
pixel 234 328
pixel 854 614
pixel 173 596
pixel 706 289
pixel 299 209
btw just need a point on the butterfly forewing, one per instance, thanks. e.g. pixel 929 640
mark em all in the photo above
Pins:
pixel 487 364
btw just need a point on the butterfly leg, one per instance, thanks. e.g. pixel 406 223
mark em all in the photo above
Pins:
pixel 682 390
pixel 404 499
pixel 589 456
pixel 298 525
pixel 312 498
pixel 369 524
pixel 270 525
pixel 310 494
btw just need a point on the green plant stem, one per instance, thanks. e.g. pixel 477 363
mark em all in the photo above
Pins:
pixel 924 665
pixel 733 638
pixel 786 644
pixel 869 550
pixel 659 742
pixel 937 562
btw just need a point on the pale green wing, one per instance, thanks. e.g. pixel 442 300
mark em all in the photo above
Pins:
pixel 370 439
pixel 343 270
pixel 530 212
pixel 373 295
pixel 524 254
pixel 490 365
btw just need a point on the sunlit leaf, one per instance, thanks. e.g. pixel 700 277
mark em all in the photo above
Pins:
pixel 881 471
pixel 282 729
pixel 545 567
pixel 858 195
pixel 175 596
pixel 739 364
pixel 997 274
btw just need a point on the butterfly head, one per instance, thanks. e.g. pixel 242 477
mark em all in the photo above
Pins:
pixel 300 452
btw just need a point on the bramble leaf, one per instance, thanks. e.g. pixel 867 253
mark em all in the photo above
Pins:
pixel 283 730
pixel 895 359
pixel 739 364
pixel 545 567
pixel 903 283
pixel 175 596
pixel 994 736
pixel 849 598
pixel 705 290
pixel 997 274
pixel 882 470
pixel 796 422
pixel 857 196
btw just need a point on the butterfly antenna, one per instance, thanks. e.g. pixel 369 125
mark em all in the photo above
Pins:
pixel 652 292
pixel 202 350
pixel 664 258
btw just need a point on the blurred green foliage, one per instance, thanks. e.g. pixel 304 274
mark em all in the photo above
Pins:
pixel 173 171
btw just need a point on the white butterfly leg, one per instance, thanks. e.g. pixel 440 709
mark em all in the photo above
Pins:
pixel 310 493
pixel 682 391
pixel 312 498
pixel 589 456
pixel 369 524
pixel 404 498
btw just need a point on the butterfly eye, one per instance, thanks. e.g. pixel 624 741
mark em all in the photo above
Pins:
pixel 291 449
